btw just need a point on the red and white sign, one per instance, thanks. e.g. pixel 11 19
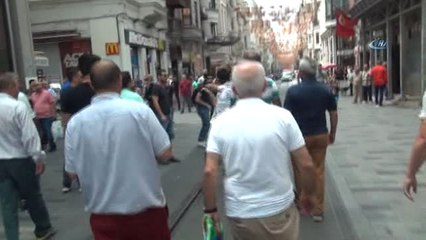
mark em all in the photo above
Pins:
pixel 71 51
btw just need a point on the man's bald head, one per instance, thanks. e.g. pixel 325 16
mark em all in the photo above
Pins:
pixel 105 75
pixel 248 79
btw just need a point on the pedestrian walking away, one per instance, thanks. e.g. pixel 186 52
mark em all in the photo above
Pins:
pixel 255 157
pixel 308 102
pixel 185 88
pixel 21 163
pixel 380 79
pixel 75 99
pixel 45 110
pixel 125 198
pixel 367 95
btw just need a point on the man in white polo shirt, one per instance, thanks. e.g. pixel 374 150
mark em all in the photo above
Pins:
pixel 113 146
pixel 255 152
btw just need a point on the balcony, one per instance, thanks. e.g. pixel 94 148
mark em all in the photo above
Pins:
pixel 223 40
pixel 151 11
pixel 178 3
pixel 191 32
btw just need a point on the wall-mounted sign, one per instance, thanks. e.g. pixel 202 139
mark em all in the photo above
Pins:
pixel 112 48
pixel 135 38
pixel 378 44
pixel 71 51
pixel 41 61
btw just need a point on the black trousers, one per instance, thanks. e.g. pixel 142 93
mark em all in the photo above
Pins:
pixel 18 181
pixel 379 94
pixel 367 94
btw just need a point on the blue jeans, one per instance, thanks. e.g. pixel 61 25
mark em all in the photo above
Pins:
pixel 379 91
pixel 168 126
pixel 204 114
pixel 46 126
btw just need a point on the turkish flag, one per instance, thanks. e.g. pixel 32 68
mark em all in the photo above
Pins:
pixel 344 25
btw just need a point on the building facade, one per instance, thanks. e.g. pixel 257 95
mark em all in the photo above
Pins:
pixel 130 33
pixel 16 48
pixel 394 31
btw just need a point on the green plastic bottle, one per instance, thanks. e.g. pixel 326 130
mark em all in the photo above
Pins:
pixel 209 230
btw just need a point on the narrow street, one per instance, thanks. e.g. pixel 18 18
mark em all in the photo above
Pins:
pixel 364 199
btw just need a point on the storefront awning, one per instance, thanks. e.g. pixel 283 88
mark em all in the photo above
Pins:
pixel 55 36
pixel 361 7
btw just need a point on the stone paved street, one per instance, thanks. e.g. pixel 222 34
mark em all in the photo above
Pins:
pixel 368 163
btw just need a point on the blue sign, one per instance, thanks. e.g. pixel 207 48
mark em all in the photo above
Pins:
pixel 378 44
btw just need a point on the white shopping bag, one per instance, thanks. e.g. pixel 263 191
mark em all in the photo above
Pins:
pixel 57 130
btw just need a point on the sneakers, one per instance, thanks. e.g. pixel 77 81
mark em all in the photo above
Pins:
pixel 202 144
pixel 66 190
pixel 318 218
pixel 48 235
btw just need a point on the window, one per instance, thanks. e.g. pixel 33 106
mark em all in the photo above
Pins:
pixel 5 54
pixel 317 38
pixel 213 27
pixel 196 14
pixel 213 4
pixel 186 17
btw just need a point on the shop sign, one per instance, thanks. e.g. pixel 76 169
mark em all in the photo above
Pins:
pixel 135 38
pixel 378 44
pixel 71 51
pixel 112 48
pixel 41 61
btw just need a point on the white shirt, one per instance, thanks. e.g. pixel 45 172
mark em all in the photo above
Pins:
pixel 254 140
pixel 24 99
pixel 112 146
pixel 225 96
pixel 422 114
pixel 18 134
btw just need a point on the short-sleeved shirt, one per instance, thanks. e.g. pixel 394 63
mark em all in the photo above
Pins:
pixel 130 95
pixel 379 75
pixel 422 114
pixel 271 91
pixel 112 147
pixel 308 102
pixel 75 99
pixel 225 98
pixel 163 98
pixel 255 150
pixel 43 104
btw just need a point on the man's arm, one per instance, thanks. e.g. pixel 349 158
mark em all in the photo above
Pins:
pixel 303 161
pixel 333 126
pixel 418 154
pixel 159 138
pixel 211 170
pixel 156 104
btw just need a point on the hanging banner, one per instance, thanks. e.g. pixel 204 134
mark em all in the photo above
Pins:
pixel 71 51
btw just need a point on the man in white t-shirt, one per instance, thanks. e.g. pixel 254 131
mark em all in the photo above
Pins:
pixel 113 146
pixel 255 151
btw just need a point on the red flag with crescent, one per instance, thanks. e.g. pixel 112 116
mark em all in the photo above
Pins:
pixel 344 25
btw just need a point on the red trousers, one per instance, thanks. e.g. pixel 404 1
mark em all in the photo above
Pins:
pixel 150 224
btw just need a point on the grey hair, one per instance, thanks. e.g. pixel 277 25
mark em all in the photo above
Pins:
pixel 308 65
pixel 8 79
pixel 249 85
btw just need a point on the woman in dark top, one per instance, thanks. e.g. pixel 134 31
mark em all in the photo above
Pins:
pixel 205 102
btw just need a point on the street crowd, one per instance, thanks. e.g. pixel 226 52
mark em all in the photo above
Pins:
pixel 117 131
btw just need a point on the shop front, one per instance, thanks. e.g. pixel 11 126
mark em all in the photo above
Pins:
pixel 60 55
pixel 148 54
pixel 391 32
